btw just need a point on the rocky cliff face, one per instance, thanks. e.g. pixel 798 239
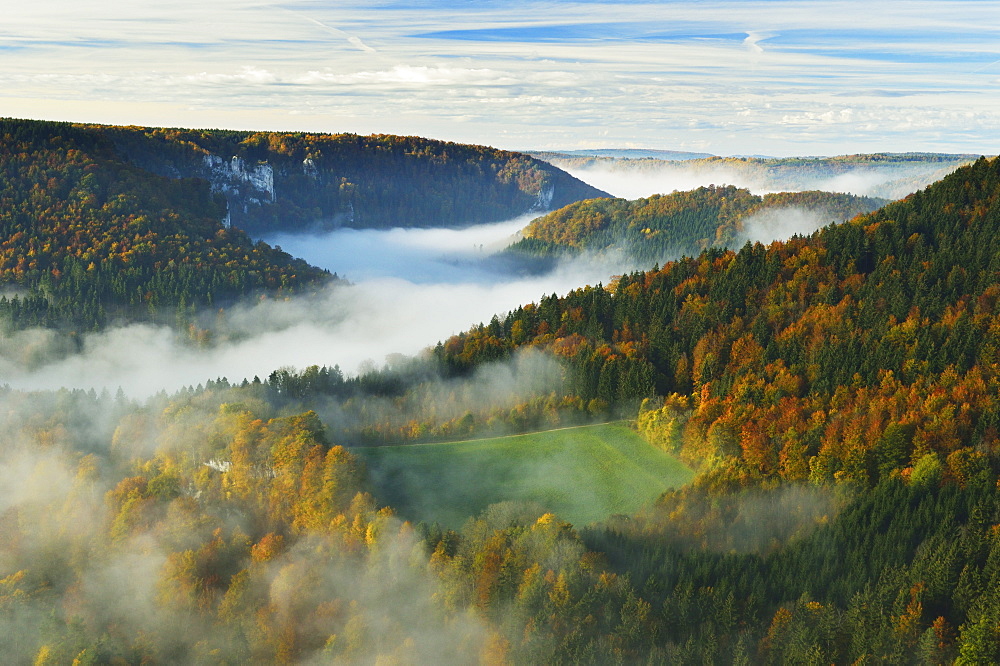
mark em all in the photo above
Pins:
pixel 242 186
pixel 545 197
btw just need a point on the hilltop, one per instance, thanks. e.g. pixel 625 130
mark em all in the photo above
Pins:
pixel 87 238
pixel 288 181
pixel 101 224
pixel 683 223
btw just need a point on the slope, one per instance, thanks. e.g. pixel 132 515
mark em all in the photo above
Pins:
pixel 839 394
pixel 86 238
pixel 804 359
pixel 583 474
pixel 682 223
pixel 284 181
pixel 99 223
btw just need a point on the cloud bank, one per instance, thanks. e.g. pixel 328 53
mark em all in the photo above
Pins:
pixel 785 78
pixel 412 288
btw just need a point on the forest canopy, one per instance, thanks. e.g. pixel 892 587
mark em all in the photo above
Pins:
pixel 835 394
pixel 87 239
pixel 667 226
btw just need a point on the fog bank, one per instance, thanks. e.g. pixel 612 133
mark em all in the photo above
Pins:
pixel 781 224
pixel 638 179
pixel 419 256
pixel 412 288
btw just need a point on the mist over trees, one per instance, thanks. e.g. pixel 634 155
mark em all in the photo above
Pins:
pixel 835 394
pixel 882 175
pixel 88 239
pixel 663 227
pixel 103 224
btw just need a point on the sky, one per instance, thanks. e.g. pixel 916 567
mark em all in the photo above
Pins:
pixel 766 78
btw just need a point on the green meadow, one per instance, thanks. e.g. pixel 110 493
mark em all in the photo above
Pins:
pixel 582 474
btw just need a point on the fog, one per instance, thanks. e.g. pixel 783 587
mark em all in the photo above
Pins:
pixel 637 179
pixel 127 566
pixel 750 521
pixel 635 183
pixel 419 256
pixel 410 289
pixel 127 561
pixel 781 223
pixel 72 551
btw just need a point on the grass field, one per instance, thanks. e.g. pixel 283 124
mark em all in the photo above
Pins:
pixel 582 474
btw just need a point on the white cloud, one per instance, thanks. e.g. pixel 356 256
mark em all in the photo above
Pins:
pixel 406 74
pixel 754 39
pixel 351 39
pixel 355 67
pixel 248 75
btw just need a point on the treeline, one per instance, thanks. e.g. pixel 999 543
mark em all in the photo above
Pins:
pixel 86 239
pixel 416 402
pixel 774 348
pixel 679 224
pixel 293 181
pixel 604 157
pixel 211 527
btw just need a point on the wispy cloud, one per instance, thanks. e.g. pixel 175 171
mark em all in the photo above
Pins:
pixel 414 76
pixel 351 39
pixel 249 75
pixel 728 77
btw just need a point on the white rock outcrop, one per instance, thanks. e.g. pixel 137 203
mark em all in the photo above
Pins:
pixel 240 183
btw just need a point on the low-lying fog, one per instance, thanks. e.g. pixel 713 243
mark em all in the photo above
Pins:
pixel 411 288
pixel 420 256
pixel 634 181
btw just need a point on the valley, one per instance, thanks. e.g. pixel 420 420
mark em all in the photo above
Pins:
pixel 668 436
pixel 504 333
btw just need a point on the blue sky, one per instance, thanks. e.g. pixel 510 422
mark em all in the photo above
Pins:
pixel 777 78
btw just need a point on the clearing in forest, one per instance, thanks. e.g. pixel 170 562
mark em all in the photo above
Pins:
pixel 582 474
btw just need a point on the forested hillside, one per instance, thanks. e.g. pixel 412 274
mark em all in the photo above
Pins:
pixel 87 239
pixel 837 395
pixel 682 223
pixel 101 223
pixel 897 303
pixel 290 181
pixel 862 363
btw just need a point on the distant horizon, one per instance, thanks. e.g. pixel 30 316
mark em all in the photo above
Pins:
pixel 575 152
pixel 780 77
